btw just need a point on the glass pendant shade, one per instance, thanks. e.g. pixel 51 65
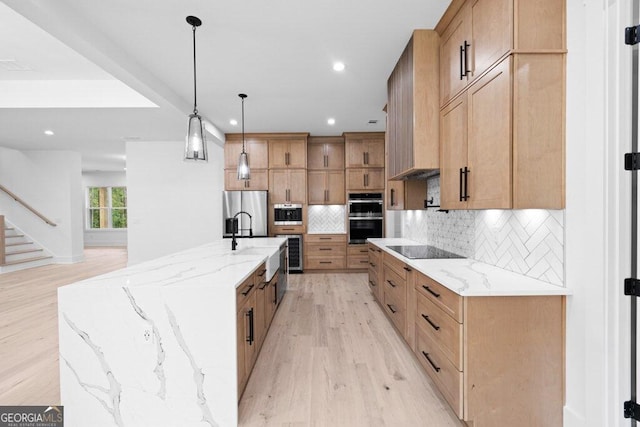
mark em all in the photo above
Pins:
pixel 243 167
pixel 196 145
pixel 244 173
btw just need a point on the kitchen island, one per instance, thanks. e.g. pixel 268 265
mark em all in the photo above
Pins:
pixel 156 344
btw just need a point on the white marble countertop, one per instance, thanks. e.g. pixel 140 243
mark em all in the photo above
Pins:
pixel 468 277
pixel 206 265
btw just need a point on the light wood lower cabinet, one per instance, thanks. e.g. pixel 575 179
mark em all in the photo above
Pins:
pixel 496 360
pixel 325 251
pixel 357 257
pixel 256 304
pixel 375 270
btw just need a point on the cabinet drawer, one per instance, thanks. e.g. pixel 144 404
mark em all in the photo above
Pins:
pixel 395 306
pixel 325 263
pixel 357 261
pixel 446 299
pixel 394 283
pixel 442 328
pixel 326 249
pixel 396 265
pixel 244 291
pixel 441 370
pixel 358 250
pixel 287 229
pixel 374 282
pixel 326 238
pixel 375 253
pixel 259 275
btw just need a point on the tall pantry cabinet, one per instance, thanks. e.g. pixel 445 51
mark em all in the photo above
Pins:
pixel 502 84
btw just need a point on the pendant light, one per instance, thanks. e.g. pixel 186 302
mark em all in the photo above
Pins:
pixel 196 144
pixel 243 162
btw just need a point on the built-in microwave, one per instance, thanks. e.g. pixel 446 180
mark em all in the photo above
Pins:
pixel 365 205
pixel 287 214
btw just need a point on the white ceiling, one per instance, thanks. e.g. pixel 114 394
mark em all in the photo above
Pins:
pixel 100 72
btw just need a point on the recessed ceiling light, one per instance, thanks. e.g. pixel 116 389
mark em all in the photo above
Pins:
pixel 48 132
pixel 338 66
pixel 233 122
pixel 331 121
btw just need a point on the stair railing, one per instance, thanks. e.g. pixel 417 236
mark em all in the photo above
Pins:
pixel 26 205
pixel 2 242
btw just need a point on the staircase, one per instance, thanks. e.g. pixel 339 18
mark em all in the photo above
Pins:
pixel 21 252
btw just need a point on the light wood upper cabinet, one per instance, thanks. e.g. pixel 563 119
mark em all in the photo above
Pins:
pixel 326 187
pixel 483 32
pixel 413 106
pixel 325 152
pixel 288 186
pixel 259 180
pixel 365 179
pixel 480 176
pixel 503 140
pixel 287 153
pixel 257 152
pixel 364 150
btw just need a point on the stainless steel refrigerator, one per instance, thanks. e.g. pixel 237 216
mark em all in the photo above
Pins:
pixel 253 203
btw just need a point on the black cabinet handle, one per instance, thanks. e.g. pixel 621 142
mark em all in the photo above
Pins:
pixel 275 293
pixel 433 325
pixel 325 262
pixel 466 183
pixel 461 60
pixel 426 355
pixel 250 316
pixel 372 265
pixel 245 293
pixel 378 250
pixel 406 268
pixel 461 196
pixel 391 283
pixel 262 272
pixel 325 238
pixel 324 249
pixel 392 194
pixel 372 283
pixel 428 289
pixel 391 308
pixel 264 285
pixel 466 59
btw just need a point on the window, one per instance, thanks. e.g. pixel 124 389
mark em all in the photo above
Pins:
pixel 107 207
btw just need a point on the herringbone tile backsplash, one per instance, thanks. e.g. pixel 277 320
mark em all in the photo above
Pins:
pixel 327 219
pixel 529 242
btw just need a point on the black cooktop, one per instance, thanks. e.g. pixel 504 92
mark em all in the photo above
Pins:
pixel 423 252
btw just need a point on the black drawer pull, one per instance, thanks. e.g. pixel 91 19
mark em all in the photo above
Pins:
pixel 324 249
pixel 391 308
pixel 264 285
pixel 325 262
pixel 364 262
pixel 325 238
pixel 372 265
pixel 262 273
pixel 245 293
pixel 426 355
pixel 433 325
pixel 406 268
pixel 428 289
pixel 372 283
pixel 391 283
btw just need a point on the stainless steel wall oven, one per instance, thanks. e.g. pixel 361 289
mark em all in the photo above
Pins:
pixel 365 216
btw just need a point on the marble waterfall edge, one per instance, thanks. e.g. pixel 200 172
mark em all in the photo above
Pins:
pixel 154 344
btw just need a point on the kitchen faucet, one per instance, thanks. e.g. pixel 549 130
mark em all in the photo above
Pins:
pixel 234 244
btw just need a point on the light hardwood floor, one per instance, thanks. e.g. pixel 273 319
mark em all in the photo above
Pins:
pixel 332 358
pixel 29 325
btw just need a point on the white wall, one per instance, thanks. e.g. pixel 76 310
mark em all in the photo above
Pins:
pixel 173 204
pixel 111 237
pixel 50 181
pixel 597 218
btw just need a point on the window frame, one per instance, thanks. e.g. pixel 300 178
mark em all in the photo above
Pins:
pixel 109 208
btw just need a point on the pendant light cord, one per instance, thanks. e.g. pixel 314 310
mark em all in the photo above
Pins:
pixel 243 124
pixel 195 93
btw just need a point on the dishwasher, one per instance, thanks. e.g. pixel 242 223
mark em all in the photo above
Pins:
pixel 294 243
